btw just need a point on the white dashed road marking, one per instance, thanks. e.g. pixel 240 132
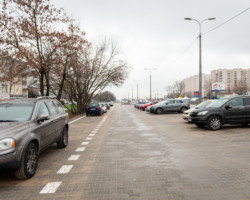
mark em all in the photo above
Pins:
pixel 65 169
pixel 85 143
pixel 91 135
pixel 50 187
pixel 89 138
pixel 80 148
pixel 74 157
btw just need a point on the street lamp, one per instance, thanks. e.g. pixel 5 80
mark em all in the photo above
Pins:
pixel 150 89
pixel 137 89
pixel 200 63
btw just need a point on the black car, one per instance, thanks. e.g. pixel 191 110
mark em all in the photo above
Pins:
pixel 28 126
pixel 232 110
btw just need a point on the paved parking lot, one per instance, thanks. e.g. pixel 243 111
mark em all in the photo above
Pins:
pixel 130 154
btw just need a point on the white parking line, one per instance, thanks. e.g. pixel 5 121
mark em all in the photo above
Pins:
pixel 88 138
pixel 74 157
pixel 85 143
pixel 80 148
pixel 76 120
pixel 50 187
pixel 91 135
pixel 65 169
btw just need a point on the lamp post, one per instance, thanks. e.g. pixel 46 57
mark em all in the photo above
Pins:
pixel 200 62
pixel 150 86
pixel 137 89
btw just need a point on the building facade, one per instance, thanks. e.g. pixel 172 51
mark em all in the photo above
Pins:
pixel 232 78
pixel 191 84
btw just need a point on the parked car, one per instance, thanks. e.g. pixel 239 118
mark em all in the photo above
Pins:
pixel 147 109
pixel 142 107
pixel 28 126
pixel 234 110
pixel 139 104
pixel 104 107
pixel 94 108
pixel 107 105
pixel 203 104
pixel 170 105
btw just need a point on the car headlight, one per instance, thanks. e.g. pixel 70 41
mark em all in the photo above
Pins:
pixel 202 113
pixel 7 143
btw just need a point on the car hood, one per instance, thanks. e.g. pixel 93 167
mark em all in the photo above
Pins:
pixel 203 109
pixel 8 129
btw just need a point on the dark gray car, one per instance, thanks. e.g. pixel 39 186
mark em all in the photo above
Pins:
pixel 28 126
pixel 170 105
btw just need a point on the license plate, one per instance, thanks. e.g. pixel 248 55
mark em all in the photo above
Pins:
pixel 92 109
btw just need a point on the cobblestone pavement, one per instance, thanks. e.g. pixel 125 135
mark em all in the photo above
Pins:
pixel 130 154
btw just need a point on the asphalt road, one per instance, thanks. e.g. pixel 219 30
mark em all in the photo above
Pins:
pixel 130 154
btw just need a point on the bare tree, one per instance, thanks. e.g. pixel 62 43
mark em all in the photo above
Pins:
pixel 240 87
pixel 105 96
pixel 97 68
pixel 27 34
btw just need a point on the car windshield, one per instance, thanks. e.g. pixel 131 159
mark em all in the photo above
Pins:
pixel 203 104
pixel 218 103
pixel 15 112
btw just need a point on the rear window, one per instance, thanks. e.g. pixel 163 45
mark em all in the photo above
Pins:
pixel 246 101
pixel 93 105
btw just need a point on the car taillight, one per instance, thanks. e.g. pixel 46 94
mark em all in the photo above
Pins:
pixel 189 105
pixel 87 108
pixel 99 108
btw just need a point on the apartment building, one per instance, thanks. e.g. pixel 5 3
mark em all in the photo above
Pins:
pixel 191 84
pixel 231 77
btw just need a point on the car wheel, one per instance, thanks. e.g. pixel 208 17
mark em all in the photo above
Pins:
pixel 159 110
pixel 28 163
pixel 183 109
pixel 214 123
pixel 200 125
pixel 64 139
pixel 87 114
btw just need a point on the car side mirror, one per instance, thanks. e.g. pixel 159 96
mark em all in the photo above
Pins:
pixel 43 117
pixel 228 106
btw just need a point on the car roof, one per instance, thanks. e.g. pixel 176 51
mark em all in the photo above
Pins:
pixel 24 100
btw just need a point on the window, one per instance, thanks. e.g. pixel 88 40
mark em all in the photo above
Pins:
pixel 246 101
pixel 59 107
pixel 236 102
pixel 178 101
pixel 52 108
pixel 42 109
pixel 170 101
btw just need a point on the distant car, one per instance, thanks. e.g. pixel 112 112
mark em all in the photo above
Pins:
pixel 170 105
pixel 104 107
pixel 147 109
pixel 139 104
pixel 203 104
pixel 107 105
pixel 230 110
pixel 94 108
pixel 142 107
pixel 28 126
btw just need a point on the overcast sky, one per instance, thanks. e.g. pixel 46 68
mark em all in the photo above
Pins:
pixel 154 34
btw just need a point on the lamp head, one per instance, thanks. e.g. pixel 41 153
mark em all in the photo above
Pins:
pixel 188 18
pixel 212 18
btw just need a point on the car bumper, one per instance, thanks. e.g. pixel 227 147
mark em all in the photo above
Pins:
pixel 93 112
pixel 9 161
pixel 198 120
